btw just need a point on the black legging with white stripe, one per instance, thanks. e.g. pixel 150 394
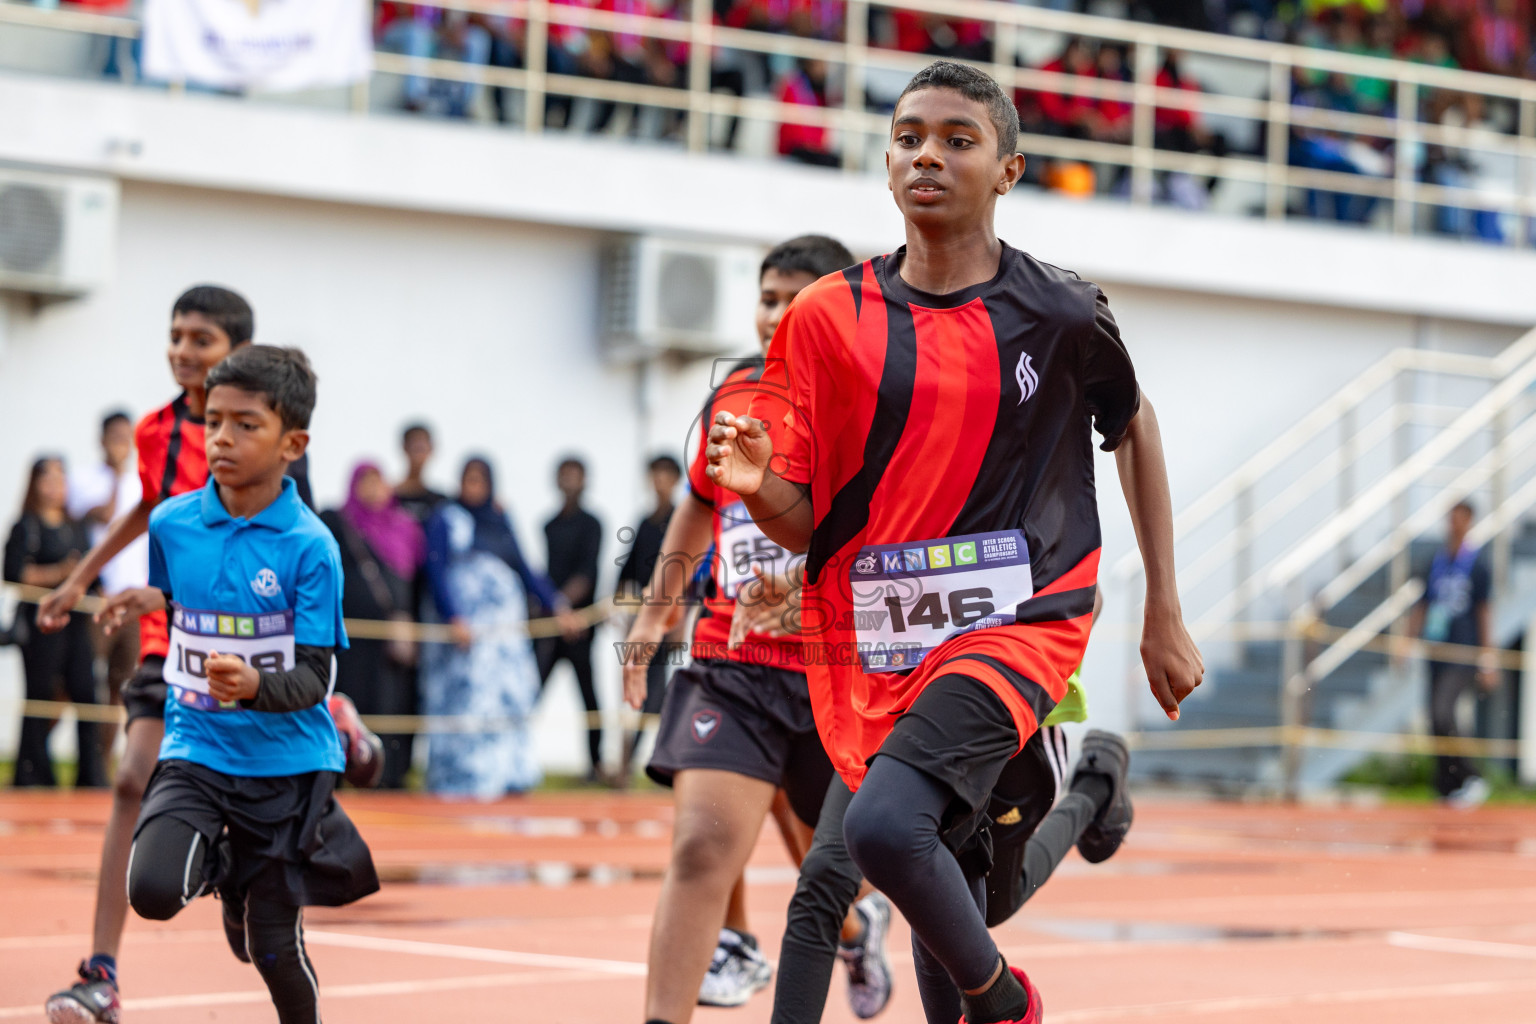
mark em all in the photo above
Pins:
pixel 170 867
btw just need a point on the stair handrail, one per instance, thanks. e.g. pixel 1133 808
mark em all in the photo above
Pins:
pixel 1328 413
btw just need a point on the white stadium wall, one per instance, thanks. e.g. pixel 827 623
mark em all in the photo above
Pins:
pixel 450 273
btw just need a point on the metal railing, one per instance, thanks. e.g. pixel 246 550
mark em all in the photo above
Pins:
pixel 854 61
pixel 1359 480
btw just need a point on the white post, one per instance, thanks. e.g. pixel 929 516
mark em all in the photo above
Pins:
pixel 1528 707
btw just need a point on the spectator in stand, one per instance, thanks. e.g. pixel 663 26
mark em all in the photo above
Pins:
pixel 1178 129
pixel 414 496
pixel 634 574
pixel 487 677
pixel 44 546
pixel 1501 36
pixel 573 540
pixel 806 86
pixel 938 36
pixel 463 37
pixel 1319 149
pixel 99 494
pixel 410 29
pixel 1077 117
pixel 382 551
pixel 1371 95
pixel 1114 115
pixel 1455 167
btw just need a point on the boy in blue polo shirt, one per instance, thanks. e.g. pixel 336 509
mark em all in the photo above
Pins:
pixel 243 791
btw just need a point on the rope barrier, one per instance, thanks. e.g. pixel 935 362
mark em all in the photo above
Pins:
pixel 113 714
pixel 1160 739
pixel 1181 739
pixel 382 629
pixel 1323 739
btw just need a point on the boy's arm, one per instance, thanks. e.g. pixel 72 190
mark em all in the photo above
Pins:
pixel 688 537
pixel 53 612
pixel 740 456
pixel 1173 663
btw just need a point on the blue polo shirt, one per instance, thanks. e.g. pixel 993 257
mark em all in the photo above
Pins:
pixel 253 587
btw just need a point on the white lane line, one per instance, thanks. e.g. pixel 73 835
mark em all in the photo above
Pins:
pixel 1470 947
pixel 480 954
pixel 1245 1004
pixel 329 992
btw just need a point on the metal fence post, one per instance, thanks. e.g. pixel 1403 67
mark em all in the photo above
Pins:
pixel 1525 226
pixel 855 40
pixel 1292 697
pixel 1143 120
pixel 700 22
pixel 537 63
pixel 1405 162
pixel 1527 724
pixel 1277 140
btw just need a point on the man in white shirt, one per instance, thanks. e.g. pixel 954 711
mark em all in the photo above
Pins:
pixel 98 494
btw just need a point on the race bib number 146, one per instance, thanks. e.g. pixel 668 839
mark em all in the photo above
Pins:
pixel 263 641
pixel 911 597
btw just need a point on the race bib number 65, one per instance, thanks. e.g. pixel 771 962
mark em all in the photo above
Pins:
pixel 743 545
pixel 263 641
pixel 911 597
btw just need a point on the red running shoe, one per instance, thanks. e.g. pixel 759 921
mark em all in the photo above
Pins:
pixel 365 751
pixel 1036 1012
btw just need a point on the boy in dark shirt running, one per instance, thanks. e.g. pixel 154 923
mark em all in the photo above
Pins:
pixel 923 434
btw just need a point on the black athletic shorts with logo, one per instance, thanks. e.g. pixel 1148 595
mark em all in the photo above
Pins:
pixel 754 720
pixel 144 692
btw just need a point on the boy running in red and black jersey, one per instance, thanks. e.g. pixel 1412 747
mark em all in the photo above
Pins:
pixel 737 724
pixel 207 323
pixel 923 433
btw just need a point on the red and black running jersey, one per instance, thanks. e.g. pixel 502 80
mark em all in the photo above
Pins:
pixel 939 434
pixel 173 460
pixel 738 545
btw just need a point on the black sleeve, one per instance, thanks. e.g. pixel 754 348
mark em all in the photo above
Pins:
pixel 591 549
pixel 299 470
pixel 1482 580
pixel 1109 379
pixel 304 687
pixel 16 552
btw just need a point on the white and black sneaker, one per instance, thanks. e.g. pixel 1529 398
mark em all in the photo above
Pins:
pixel 737 972
pixel 869 971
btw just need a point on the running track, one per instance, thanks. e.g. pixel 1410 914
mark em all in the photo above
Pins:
pixel 538 909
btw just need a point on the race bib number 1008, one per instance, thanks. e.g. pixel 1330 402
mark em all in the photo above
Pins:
pixel 909 598
pixel 264 641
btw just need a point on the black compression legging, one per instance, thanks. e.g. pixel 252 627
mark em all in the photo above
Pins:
pixel 892 829
pixel 170 867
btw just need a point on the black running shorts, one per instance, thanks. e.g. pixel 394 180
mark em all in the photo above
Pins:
pixel 754 720
pixel 144 692
pixel 284 839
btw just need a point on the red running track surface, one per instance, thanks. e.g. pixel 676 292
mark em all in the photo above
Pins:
pixel 538 909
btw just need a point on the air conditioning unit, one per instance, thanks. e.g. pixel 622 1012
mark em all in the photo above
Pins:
pixel 689 299
pixel 57 232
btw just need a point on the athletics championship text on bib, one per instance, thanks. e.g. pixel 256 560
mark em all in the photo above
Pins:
pixel 263 641
pixel 909 598
pixel 743 545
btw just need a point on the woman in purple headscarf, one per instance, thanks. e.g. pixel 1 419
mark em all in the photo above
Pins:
pixel 382 551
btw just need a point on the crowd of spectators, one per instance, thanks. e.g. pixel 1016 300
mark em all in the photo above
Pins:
pixel 409 554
